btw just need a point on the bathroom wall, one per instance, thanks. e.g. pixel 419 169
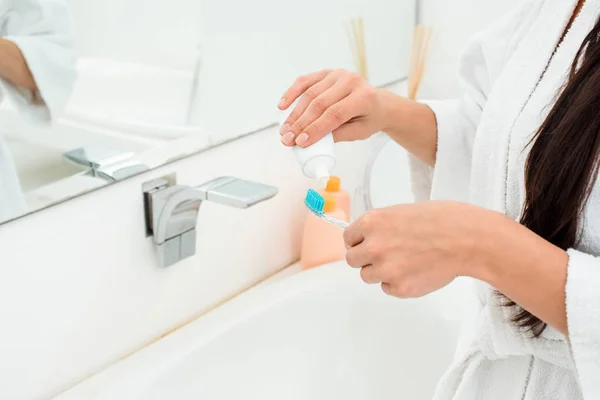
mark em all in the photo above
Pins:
pixel 276 46
pixel 160 33
pixel 455 22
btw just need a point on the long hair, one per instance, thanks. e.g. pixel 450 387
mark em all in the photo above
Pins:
pixel 562 165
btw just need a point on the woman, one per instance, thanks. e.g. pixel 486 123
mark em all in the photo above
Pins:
pixel 510 171
pixel 37 60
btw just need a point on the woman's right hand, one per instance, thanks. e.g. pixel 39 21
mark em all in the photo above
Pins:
pixel 337 101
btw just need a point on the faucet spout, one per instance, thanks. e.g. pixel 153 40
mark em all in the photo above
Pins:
pixel 174 209
pixel 179 207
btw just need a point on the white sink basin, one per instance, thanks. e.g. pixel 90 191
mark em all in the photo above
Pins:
pixel 321 334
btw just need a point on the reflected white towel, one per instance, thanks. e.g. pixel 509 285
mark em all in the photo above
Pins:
pixel 42 29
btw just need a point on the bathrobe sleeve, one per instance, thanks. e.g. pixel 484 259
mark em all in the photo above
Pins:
pixel 43 31
pixel 457 120
pixel 583 318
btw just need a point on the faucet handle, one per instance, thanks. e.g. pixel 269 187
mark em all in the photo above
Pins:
pixel 235 192
pixel 108 164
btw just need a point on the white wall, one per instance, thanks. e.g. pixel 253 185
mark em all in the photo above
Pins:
pixel 455 21
pixel 161 33
pixel 250 56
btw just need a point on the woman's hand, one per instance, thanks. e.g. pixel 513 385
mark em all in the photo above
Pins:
pixel 416 249
pixel 335 101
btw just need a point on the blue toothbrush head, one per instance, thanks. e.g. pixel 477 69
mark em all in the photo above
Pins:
pixel 314 201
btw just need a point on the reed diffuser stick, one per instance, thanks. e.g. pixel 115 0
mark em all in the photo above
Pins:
pixel 418 60
pixel 356 34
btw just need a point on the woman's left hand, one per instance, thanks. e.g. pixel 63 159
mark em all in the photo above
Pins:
pixel 416 249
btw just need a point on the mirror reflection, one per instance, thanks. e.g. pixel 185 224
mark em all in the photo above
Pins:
pixel 96 92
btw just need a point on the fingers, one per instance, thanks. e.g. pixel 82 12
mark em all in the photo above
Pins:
pixel 300 86
pixel 387 289
pixel 309 95
pixel 354 258
pixel 330 101
pixel 349 132
pixel 292 127
pixel 353 235
pixel 370 275
pixel 400 290
pixel 334 117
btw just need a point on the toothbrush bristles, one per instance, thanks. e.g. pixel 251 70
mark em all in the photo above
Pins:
pixel 314 201
pixel 316 204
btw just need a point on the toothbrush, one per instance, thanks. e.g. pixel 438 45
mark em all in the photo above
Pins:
pixel 315 203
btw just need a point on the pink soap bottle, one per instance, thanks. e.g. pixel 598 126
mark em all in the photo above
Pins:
pixel 323 243
pixel 342 198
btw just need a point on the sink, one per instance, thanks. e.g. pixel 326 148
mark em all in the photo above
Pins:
pixel 318 334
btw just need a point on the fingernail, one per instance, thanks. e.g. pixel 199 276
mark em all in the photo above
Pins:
pixel 284 129
pixel 281 102
pixel 288 138
pixel 302 139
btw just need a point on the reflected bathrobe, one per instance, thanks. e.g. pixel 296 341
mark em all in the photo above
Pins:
pixel 480 160
pixel 42 29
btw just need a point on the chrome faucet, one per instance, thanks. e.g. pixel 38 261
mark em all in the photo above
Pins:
pixel 172 210
pixel 107 164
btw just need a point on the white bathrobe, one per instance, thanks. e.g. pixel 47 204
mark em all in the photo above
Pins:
pixel 42 29
pixel 480 160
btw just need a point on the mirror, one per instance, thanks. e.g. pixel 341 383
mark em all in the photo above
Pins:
pixel 94 92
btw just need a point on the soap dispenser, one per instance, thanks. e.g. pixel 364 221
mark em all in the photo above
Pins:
pixel 323 243
pixel 342 198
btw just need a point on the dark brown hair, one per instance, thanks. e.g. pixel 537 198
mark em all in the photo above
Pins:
pixel 562 165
